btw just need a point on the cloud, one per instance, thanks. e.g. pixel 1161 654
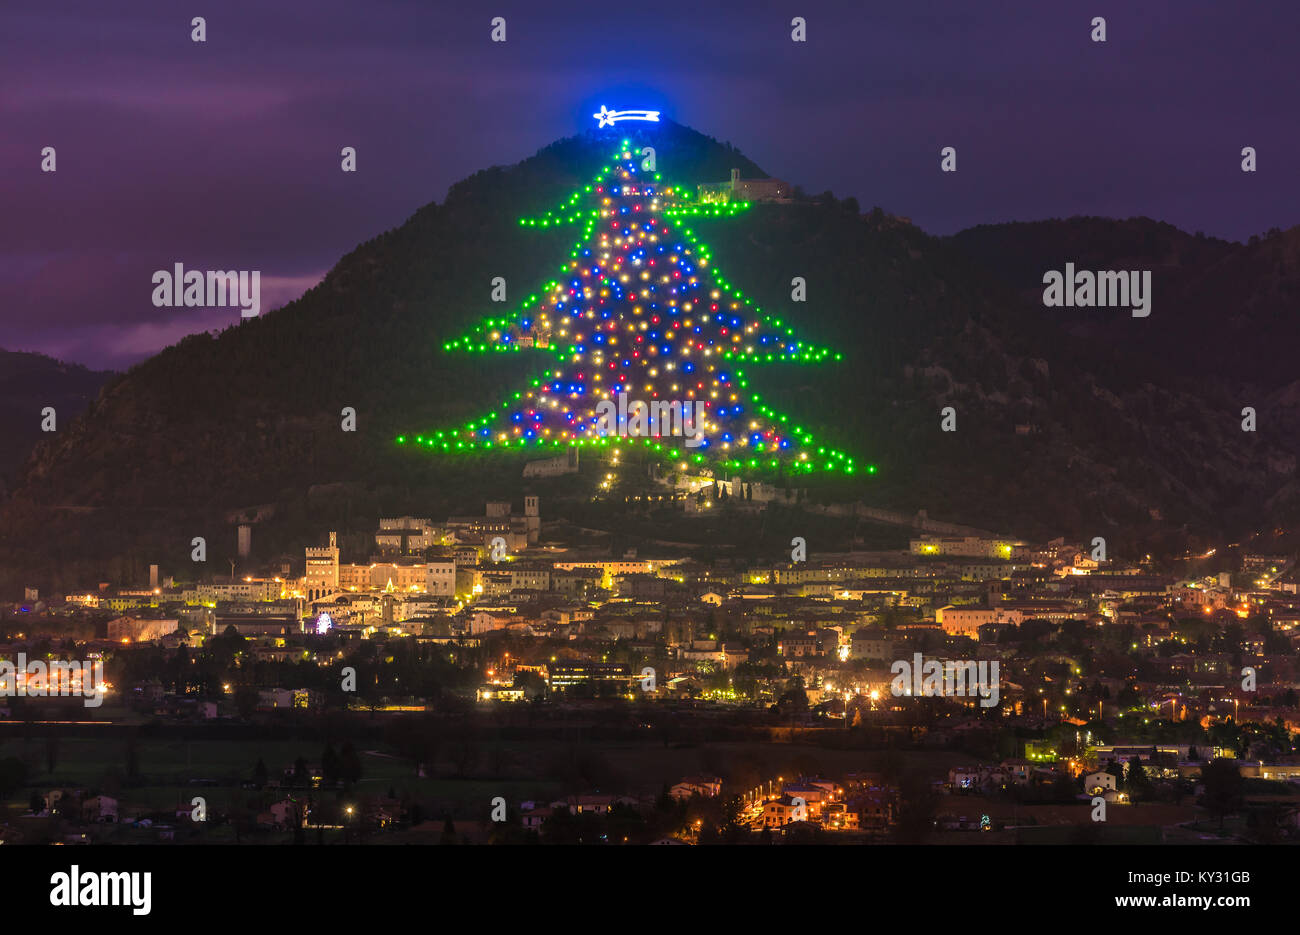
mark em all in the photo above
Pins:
pixel 226 154
pixel 117 346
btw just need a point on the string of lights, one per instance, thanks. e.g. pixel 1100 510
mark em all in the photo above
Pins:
pixel 641 309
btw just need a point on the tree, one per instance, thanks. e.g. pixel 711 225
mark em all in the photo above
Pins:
pixel 795 696
pixel 1116 770
pixel 464 748
pixel 246 701
pixel 917 804
pixel 732 829
pixel 301 775
pixel 330 765
pixel 1064 789
pixel 640 310
pixel 13 773
pixel 1268 822
pixel 132 758
pixel 260 773
pixel 51 753
pixel 349 764
pixel 1087 833
pixel 225 646
pixel 1222 787
pixel 534 685
pixel 1139 784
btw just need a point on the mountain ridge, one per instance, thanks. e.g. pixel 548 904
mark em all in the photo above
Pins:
pixel 1066 424
pixel 29 382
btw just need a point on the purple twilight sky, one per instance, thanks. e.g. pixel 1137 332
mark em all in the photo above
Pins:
pixel 225 154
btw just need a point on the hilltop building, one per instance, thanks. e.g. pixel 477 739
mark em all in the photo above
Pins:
pixel 738 189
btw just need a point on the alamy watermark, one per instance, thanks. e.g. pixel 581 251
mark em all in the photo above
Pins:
pixel 211 289
pixel 1102 289
pixel 655 419
pixel 55 679
pixel 75 887
pixel 946 678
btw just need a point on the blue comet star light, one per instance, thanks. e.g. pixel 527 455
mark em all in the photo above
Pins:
pixel 608 117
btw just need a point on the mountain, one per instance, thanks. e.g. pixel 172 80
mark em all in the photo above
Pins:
pixel 1218 307
pixel 1081 422
pixel 29 383
pixel 1175 383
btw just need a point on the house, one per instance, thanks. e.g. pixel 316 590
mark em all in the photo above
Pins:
pixel 62 801
pixel 598 803
pixel 813 795
pixel 950 822
pixel 778 813
pixel 738 189
pixel 99 809
pixel 875 808
pixel 285 812
pixel 1019 770
pixel 799 645
pixel 977 778
pixel 723 655
pixel 840 817
pixel 1099 782
pixel 383 812
pixel 872 644
pixel 271 699
pixel 487 693
pixel 703 786
pixel 533 818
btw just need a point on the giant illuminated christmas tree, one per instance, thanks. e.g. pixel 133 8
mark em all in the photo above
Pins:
pixel 642 323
